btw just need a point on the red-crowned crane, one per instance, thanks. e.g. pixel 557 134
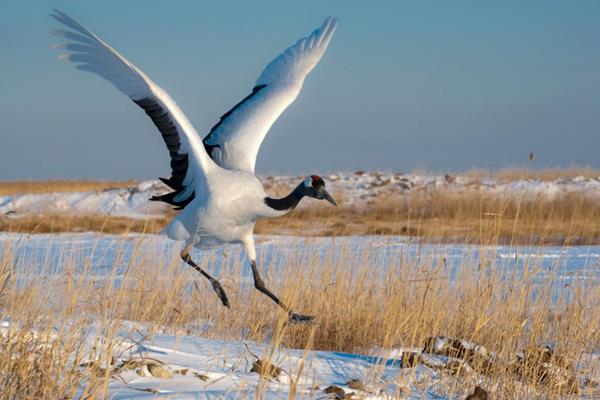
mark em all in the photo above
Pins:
pixel 213 180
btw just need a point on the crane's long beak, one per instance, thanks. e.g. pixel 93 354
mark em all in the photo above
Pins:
pixel 328 197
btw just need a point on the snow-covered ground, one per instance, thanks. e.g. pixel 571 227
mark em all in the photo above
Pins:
pixel 105 254
pixel 353 187
pixel 184 367
pixel 202 368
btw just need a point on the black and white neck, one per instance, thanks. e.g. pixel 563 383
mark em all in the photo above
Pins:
pixel 289 202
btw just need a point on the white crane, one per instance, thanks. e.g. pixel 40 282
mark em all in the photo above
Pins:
pixel 213 179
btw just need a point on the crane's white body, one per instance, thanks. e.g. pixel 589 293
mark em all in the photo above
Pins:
pixel 227 197
pixel 224 213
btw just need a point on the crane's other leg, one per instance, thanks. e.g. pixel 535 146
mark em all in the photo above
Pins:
pixel 260 286
pixel 248 242
pixel 185 256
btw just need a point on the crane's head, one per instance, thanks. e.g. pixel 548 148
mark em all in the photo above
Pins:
pixel 314 187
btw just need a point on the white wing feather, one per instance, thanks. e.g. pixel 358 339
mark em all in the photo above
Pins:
pixel 93 54
pixel 235 141
pixel 292 66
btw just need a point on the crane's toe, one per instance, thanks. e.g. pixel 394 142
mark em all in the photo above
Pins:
pixel 300 319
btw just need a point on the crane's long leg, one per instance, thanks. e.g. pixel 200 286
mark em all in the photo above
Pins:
pixel 185 256
pixel 260 286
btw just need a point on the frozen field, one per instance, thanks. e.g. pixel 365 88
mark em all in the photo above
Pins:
pixel 192 367
pixel 103 254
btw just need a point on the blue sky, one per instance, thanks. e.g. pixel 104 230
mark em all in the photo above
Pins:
pixel 444 86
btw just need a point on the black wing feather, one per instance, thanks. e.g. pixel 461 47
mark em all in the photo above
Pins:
pixel 179 161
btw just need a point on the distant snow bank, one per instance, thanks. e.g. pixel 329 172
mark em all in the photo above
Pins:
pixel 356 188
pixel 366 185
pixel 132 202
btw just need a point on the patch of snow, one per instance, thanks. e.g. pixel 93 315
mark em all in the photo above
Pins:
pixel 115 202
pixel 110 255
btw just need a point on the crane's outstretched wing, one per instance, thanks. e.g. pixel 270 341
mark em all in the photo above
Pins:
pixel 234 141
pixel 189 161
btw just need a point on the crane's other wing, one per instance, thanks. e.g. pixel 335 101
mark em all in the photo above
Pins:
pixel 189 161
pixel 234 141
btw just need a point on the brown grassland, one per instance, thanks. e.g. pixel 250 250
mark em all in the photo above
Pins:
pixel 358 303
pixel 544 174
pixel 16 187
pixel 440 215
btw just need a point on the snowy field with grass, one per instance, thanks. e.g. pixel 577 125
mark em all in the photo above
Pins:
pixel 110 255
pixel 189 362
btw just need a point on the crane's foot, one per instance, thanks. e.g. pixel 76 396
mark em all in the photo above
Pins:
pixel 300 319
pixel 220 292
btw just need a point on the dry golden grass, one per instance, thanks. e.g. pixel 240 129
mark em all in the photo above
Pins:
pixel 469 216
pixel 545 174
pixel 359 304
pixel 56 223
pixel 18 187
pixel 443 215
